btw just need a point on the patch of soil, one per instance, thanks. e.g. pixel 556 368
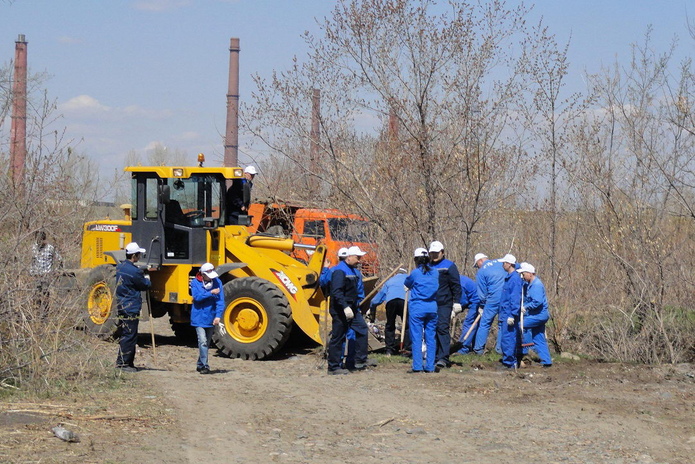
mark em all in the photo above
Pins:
pixel 289 410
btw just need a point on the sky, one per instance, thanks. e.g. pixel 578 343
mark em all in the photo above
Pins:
pixel 129 74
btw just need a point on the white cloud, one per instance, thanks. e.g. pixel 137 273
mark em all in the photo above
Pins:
pixel 83 104
pixel 159 5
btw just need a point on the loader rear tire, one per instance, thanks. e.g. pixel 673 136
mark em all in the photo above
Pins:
pixel 257 320
pixel 100 304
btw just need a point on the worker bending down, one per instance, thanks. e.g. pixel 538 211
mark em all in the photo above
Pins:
pixel 535 314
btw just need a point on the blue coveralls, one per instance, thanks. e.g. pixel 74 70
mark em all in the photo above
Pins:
pixel 346 286
pixel 490 281
pixel 469 299
pixel 510 306
pixel 130 281
pixel 449 292
pixel 422 315
pixel 536 305
pixel 206 307
pixel 393 294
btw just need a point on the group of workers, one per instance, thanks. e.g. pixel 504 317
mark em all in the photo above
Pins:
pixel 429 297
pixel 432 295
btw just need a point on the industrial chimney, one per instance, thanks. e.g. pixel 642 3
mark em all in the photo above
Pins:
pixel 18 128
pixel 231 136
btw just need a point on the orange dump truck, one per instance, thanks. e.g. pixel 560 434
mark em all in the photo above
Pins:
pixel 310 226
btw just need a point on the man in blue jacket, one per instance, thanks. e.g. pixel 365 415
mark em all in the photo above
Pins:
pixel 206 312
pixel 490 281
pixel 470 300
pixel 448 297
pixel 535 313
pixel 130 281
pixel 346 287
pixel 393 294
pixel 510 311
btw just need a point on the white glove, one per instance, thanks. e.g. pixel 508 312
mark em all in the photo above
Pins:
pixel 480 311
pixel 510 321
pixel 348 313
pixel 456 309
pixel 147 276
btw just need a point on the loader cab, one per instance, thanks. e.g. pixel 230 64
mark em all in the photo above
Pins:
pixel 177 214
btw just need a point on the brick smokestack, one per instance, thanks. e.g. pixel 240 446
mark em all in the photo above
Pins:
pixel 231 136
pixel 18 128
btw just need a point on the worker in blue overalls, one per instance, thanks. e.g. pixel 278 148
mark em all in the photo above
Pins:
pixel 536 314
pixel 423 283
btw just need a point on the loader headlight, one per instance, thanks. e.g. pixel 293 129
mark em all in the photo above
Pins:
pixel 178 172
pixel 238 172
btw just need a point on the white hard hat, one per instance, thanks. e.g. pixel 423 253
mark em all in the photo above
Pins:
pixel 511 259
pixel 420 252
pixel 251 170
pixel 209 270
pixel 133 248
pixel 526 267
pixel 477 258
pixel 355 251
pixel 436 247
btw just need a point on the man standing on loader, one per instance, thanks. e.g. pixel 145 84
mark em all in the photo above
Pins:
pixel 239 195
pixel 130 281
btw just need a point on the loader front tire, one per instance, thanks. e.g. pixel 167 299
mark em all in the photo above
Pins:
pixel 100 305
pixel 257 319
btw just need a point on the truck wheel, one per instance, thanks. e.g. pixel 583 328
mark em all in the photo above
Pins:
pixel 100 304
pixel 257 319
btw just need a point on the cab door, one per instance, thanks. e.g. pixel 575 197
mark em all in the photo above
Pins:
pixel 146 226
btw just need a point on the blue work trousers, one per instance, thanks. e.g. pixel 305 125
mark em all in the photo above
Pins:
pixel 488 317
pixel 339 329
pixel 534 332
pixel 465 327
pixel 511 343
pixel 423 325
pixel 128 336
pixel 204 336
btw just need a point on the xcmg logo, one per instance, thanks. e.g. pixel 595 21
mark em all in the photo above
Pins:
pixel 105 228
pixel 286 282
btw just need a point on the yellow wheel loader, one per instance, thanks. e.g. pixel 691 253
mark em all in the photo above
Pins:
pixel 179 215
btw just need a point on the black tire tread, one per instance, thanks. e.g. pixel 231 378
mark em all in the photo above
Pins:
pixel 279 315
pixel 105 273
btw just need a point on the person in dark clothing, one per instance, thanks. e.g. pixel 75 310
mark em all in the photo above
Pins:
pixel 130 281
pixel 393 294
pixel 448 300
pixel 239 195
pixel 344 309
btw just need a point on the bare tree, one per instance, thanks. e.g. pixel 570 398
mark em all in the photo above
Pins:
pixel 431 68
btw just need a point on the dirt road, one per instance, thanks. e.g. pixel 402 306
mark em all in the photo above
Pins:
pixel 288 410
